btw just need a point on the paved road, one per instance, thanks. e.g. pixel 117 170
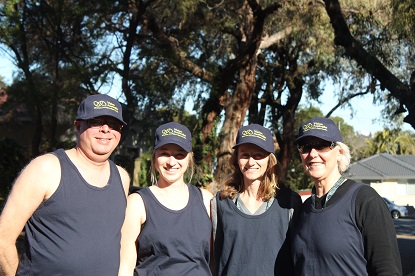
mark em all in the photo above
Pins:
pixel 405 231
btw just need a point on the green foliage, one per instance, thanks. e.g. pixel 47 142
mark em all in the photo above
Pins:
pixel 144 171
pixel 13 158
pixel 204 155
pixel 297 179
pixel 404 18
pixel 167 52
pixel 393 141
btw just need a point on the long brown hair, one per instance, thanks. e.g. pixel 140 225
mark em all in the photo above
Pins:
pixel 267 188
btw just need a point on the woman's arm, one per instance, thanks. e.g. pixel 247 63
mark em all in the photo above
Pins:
pixel 135 216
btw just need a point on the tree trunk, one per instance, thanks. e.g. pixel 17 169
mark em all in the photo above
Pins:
pixel 235 112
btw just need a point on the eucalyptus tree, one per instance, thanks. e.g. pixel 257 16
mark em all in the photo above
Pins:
pixel 382 47
pixel 56 46
pixel 290 69
pixel 214 47
pixel 239 58
pixel 238 61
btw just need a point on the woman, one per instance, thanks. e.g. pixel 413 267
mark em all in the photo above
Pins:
pixel 252 214
pixel 169 221
pixel 345 227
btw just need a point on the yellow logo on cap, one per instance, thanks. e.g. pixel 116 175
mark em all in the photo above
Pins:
pixel 174 131
pixel 253 133
pixel 105 105
pixel 315 125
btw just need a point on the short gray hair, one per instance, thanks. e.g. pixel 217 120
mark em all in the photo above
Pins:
pixel 344 161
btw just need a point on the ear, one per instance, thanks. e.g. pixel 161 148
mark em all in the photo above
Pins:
pixel 339 155
pixel 77 125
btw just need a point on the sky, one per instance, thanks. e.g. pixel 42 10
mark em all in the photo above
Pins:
pixel 365 119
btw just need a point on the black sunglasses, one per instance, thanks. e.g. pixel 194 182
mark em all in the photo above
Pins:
pixel 98 123
pixel 319 147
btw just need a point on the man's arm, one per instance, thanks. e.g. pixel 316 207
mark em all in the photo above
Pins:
pixel 125 178
pixel 35 183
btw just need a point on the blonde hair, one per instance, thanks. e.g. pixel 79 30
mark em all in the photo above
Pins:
pixel 344 161
pixel 267 188
pixel 188 174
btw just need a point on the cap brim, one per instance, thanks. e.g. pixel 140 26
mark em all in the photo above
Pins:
pixel 306 136
pixel 253 143
pixel 91 117
pixel 182 145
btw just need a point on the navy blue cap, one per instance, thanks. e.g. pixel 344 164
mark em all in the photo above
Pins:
pixel 173 133
pixel 257 135
pixel 320 127
pixel 99 105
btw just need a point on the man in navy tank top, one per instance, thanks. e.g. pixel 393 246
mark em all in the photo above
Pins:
pixel 71 203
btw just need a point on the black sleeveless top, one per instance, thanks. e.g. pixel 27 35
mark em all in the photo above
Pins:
pixel 328 241
pixel 77 231
pixel 255 244
pixel 174 242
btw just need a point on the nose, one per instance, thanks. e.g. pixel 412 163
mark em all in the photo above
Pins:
pixel 172 161
pixel 105 128
pixel 313 152
pixel 251 161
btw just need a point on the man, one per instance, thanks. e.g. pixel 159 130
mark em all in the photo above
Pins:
pixel 71 203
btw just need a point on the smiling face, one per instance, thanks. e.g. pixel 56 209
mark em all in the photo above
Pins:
pixel 319 158
pixel 171 161
pixel 253 162
pixel 98 142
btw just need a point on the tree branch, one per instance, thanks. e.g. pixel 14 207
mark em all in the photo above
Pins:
pixel 370 63
pixel 344 100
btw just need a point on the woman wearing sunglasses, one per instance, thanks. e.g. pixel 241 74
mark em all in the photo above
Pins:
pixel 345 227
pixel 252 215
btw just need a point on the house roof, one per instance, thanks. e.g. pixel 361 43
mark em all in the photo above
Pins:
pixel 383 166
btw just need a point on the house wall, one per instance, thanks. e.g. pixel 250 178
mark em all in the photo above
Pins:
pixel 394 190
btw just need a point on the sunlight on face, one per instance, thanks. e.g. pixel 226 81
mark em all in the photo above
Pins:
pixel 320 159
pixel 253 161
pixel 171 162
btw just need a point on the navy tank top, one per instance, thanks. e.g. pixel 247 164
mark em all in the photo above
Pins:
pixel 77 231
pixel 253 244
pixel 174 242
pixel 328 241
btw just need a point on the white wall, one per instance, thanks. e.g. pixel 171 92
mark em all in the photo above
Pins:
pixel 394 191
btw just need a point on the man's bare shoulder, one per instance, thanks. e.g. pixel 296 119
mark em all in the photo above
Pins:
pixel 125 178
pixel 42 174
